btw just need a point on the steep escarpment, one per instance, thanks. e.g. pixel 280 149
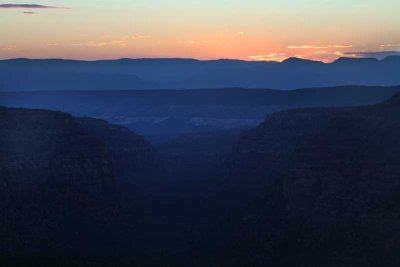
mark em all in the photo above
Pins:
pixel 261 155
pixel 55 180
pixel 343 189
pixel 135 160
pixel 247 192
pixel 51 148
pixel 317 187
pixel 275 139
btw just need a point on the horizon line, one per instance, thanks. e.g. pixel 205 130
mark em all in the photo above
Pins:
pixel 194 59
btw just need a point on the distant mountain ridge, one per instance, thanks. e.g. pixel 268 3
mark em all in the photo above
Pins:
pixel 173 73
pixel 152 112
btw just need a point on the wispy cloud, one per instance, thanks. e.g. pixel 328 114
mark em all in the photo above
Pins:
pixel 102 44
pixel 29 12
pixel 35 6
pixel 106 40
pixel 9 47
pixel 318 46
pixel 339 53
pixel 196 42
pixel 389 45
pixel 269 57
pixel 378 54
pixel 140 36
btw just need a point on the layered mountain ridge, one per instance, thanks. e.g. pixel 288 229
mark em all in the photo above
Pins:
pixel 163 112
pixel 128 74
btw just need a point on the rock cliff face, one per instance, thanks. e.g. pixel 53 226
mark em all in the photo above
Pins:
pixel 51 149
pixel 343 189
pixel 321 188
pixel 60 179
pixel 53 175
pixel 274 140
pixel 135 159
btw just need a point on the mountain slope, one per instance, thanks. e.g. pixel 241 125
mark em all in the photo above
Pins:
pixel 61 180
pixel 314 187
pixel 52 172
pixel 343 189
pixel 135 160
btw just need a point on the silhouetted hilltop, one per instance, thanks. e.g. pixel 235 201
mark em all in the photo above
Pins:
pixel 391 59
pixel 173 73
pixel 301 62
pixel 355 61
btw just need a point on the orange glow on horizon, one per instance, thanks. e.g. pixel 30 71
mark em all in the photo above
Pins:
pixel 210 29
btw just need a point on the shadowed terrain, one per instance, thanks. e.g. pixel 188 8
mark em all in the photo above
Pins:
pixel 307 187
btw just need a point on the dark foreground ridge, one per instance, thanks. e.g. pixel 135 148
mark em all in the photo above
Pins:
pixel 317 187
pixel 60 180
pixel 307 187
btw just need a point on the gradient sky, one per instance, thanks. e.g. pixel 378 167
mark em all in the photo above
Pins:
pixel 204 29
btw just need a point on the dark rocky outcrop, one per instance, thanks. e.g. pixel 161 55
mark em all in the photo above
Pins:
pixel 134 158
pixel 316 187
pixel 52 148
pixel 343 188
pixel 60 183
pixel 53 176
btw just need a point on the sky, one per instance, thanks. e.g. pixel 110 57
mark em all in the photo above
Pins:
pixel 203 29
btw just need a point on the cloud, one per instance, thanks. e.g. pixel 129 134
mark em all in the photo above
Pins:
pixel 28 6
pixel 29 12
pixel 269 57
pixel 318 46
pixel 378 55
pixel 9 47
pixel 140 36
pixel 102 44
pixel 389 45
